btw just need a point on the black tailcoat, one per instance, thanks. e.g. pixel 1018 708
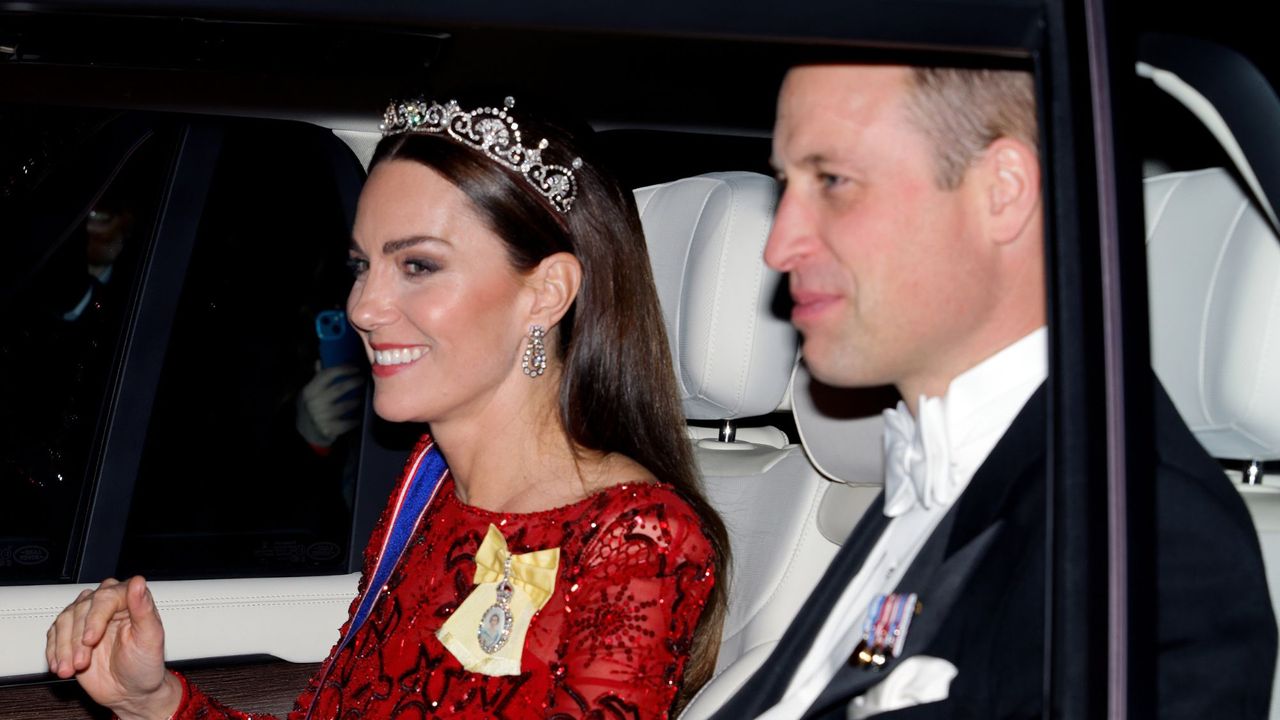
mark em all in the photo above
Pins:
pixel 981 580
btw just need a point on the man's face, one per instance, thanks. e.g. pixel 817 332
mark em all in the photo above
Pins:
pixel 886 269
pixel 106 231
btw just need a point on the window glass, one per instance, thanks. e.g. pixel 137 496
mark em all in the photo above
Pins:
pixel 77 205
pixel 228 484
pixel 1213 262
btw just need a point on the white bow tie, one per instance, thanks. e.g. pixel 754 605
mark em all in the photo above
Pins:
pixel 917 458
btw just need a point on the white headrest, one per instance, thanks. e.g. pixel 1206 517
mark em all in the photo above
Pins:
pixel 706 238
pixel 1214 280
pixel 841 428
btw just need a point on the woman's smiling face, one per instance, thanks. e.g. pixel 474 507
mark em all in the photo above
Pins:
pixel 442 312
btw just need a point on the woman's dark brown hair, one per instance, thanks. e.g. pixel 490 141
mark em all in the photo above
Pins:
pixel 618 389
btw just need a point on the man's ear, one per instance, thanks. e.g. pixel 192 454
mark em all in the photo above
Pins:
pixel 555 283
pixel 1012 171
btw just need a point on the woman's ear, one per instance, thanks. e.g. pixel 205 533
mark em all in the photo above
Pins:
pixel 555 283
pixel 1012 171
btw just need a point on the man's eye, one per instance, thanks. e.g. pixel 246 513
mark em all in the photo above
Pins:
pixel 357 266
pixel 829 181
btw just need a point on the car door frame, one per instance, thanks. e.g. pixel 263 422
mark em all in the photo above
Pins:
pixel 1094 382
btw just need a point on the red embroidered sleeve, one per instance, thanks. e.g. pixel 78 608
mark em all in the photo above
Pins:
pixel 632 608
pixel 198 706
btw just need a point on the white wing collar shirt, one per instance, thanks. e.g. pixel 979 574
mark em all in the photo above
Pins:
pixel 929 460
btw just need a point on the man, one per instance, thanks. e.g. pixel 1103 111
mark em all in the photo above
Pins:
pixel 911 229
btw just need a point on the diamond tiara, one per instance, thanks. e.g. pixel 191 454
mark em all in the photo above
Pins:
pixel 493 132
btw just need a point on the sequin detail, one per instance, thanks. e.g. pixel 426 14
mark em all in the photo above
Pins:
pixel 612 641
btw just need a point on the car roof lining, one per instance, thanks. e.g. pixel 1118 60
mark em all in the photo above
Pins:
pixel 295 67
pixel 993 24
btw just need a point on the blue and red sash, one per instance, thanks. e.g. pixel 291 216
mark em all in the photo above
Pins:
pixel 425 474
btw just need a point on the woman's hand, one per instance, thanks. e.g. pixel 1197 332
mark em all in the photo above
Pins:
pixel 329 405
pixel 111 640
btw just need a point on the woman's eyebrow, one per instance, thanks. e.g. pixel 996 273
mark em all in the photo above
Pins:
pixel 392 247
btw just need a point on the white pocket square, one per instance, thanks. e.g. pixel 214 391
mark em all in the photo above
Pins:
pixel 917 680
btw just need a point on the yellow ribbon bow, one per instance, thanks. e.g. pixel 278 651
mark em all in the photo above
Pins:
pixel 532 579
pixel 534 573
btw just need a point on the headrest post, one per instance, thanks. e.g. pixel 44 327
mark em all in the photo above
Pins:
pixel 728 431
pixel 1253 473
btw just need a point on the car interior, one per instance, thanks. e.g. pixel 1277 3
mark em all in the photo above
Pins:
pixel 790 463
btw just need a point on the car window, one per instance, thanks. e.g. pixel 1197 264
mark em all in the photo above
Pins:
pixel 78 202
pixel 228 485
pixel 1207 114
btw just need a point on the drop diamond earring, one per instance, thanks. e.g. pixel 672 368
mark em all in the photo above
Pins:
pixel 534 362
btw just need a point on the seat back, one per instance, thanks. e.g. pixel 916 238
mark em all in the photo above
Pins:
pixel 733 357
pixel 1214 279
pixel 1213 264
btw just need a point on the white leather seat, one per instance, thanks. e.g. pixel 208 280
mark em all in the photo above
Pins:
pixel 1214 278
pixel 734 358
pixel 1213 266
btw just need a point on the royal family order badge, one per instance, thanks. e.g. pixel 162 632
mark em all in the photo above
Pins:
pixel 486 633
pixel 495 624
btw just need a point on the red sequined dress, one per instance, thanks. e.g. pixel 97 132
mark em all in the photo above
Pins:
pixel 635 571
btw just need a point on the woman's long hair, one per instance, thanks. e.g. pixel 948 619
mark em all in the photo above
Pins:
pixel 618 389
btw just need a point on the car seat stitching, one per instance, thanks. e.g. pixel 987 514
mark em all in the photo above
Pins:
pixel 217 599
pixel 1164 204
pixel 1268 336
pixel 740 382
pixel 681 301
pixel 186 605
pixel 703 373
pixel 1202 369
pixel 757 283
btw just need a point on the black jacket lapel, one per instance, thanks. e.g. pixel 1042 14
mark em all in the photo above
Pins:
pixel 954 549
pixel 996 483
pixel 938 582
pixel 950 555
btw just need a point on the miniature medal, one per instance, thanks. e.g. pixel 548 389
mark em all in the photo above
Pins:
pixel 862 653
pixel 884 631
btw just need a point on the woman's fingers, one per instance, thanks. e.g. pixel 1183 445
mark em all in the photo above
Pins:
pixel 81 626
pixel 60 639
pixel 143 614
pixel 101 616
pixel 106 602
pixel 80 652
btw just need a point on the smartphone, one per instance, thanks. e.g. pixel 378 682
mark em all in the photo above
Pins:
pixel 339 342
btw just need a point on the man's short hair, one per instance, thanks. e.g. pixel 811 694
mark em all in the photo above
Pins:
pixel 962 111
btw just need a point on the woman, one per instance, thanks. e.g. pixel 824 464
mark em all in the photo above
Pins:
pixel 564 563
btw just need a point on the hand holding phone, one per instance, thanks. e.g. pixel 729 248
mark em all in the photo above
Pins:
pixel 329 405
pixel 339 342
